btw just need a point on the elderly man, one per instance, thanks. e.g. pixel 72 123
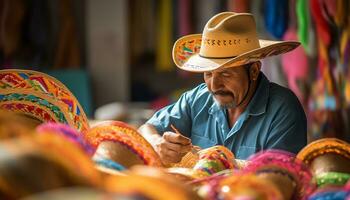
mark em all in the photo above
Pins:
pixel 237 106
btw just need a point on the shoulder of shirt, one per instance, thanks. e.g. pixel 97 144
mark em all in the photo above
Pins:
pixel 282 96
pixel 199 92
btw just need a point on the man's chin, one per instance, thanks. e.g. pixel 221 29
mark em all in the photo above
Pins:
pixel 225 105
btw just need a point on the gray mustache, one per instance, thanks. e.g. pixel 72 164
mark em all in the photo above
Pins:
pixel 222 93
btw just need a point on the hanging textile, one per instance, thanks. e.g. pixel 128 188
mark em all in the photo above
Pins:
pixel 295 63
pixel 203 11
pixel 38 33
pixel 12 15
pixel 164 43
pixel 295 66
pixel 184 14
pixel 239 5
pixel 68 48
pixel 276 17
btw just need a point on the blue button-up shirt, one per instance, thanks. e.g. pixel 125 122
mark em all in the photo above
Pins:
pixel 273 119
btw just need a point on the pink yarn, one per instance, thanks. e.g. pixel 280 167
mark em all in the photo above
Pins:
pixel 295 64
pixel 68 133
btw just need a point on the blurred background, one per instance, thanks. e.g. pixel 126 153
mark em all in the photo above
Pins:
pixel 115 55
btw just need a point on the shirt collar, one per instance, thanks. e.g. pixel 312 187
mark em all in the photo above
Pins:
pixel 258 103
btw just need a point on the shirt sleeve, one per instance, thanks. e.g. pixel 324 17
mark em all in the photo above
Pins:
pixel 177 114
pixel 288 130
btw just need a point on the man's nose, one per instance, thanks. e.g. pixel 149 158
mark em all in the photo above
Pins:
pixel 215 83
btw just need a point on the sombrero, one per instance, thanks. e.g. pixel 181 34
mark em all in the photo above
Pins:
pixel 228 39
pixel 215 159
pixel 331 194
pixel 13 125
pixel 246 186
pixel 88 193
pixel 329 159
pixel 185 174
pixel 40 163
pixel 285 164
pixel 122 144
pixel 68 133
pixel 150 183
pixel 324 146
pixel 40 96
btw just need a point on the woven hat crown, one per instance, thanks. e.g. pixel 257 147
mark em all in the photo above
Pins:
pixel 228 34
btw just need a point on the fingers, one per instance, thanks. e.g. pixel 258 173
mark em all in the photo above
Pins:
pixel 176 138
pixel 170 156
pixel 176 147
pixel 172 147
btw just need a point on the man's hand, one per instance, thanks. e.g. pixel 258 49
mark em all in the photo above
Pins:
pixel 172 147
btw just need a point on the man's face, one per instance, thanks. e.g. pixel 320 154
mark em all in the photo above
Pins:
pixel 228 86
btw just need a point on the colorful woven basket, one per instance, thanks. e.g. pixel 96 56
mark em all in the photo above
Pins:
pixel 40 96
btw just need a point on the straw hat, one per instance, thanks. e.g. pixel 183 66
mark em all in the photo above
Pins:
pixel 118 142
pixel 324 146
pixel 329 160
pixel 215 159
pixel 228 39
pixel 282 163
pixel 149 183
pixel 43 162
pixel 247 186
pixel 67 133
pixel 40 96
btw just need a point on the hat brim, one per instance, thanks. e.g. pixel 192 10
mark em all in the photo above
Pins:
pixel 124 135
pixel 40 96
pixel 186 54
pixel 324 146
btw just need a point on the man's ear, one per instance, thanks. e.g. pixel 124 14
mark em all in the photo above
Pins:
pixel 255 70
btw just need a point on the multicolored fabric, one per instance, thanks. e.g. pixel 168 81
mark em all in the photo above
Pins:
pixel 125 135
pixel 324 146
pixel 286 161
pixel 41 96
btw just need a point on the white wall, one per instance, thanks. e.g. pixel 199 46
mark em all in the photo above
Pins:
pixel 107 49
